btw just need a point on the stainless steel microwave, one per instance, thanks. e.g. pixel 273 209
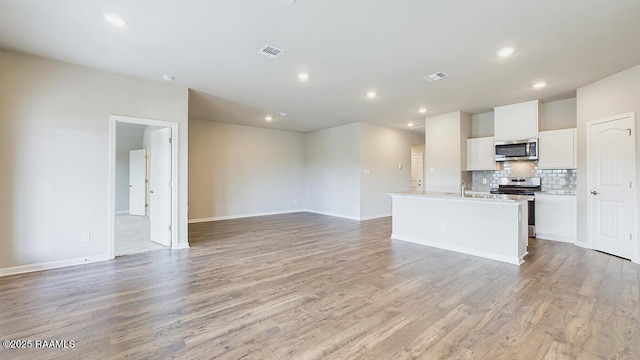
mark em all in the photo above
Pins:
pixel 517 150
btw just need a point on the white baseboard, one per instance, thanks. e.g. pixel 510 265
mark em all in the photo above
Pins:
pixel 21 269
pixel 180 247
pixel 362 218
pixel 585 245
pixel 122 212
pixel 582 244
pixel 333 214
pixel 229 217
pixel 555 238
pixel 371 217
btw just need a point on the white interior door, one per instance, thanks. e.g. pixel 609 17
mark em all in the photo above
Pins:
pixel 160 186
pixel 417 172
pixel 137 182
pixel 611 172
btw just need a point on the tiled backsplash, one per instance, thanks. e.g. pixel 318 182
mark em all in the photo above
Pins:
pixel 551 179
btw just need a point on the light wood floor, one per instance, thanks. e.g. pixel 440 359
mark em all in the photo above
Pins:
pixel 305 286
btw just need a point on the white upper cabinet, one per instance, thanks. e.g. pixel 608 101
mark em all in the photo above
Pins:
pixel 517 121
pixel 481 154
pixel 557 149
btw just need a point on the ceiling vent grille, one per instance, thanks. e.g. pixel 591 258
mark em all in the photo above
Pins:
pixel 270 51
pixel 437 76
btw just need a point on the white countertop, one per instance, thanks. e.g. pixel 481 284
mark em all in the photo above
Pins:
pixel 556 192
pixel 469 196
pixel 541 192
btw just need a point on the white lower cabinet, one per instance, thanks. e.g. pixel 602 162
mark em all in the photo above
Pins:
pixel 556 217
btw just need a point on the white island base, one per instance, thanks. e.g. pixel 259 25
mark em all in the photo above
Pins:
pixel 492 227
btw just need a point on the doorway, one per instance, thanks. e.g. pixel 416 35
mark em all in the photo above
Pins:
pixel 416 172
pixel 144 201
pixel 611 173
pixel 417 167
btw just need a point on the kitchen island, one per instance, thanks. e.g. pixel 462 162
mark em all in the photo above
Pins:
pixel 484 225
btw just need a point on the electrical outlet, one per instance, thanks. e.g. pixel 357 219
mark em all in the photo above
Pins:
pixel 484 181
pixel 86 237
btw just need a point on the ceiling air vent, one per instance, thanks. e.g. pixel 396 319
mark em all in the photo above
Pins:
pixel 270 51
pixel 437 76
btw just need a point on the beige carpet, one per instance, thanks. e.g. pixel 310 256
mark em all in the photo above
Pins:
pixel 132 235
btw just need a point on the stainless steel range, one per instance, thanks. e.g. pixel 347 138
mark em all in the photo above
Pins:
pixel 523 187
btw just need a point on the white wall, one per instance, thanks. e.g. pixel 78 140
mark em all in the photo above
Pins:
pixel 445 151
pixel 554 115
pixel 241 170
pixel 54 153
pixel 127 139
pixel 146 137
pixel 417 149
pixel 614 95
pixel 465 133
pixel 560 114
pixel 332 171
pixel 482 125
pixel 382 149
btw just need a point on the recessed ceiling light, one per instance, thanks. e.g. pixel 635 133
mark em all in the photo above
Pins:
pixel 410 124
pixel 539 85
pixel 268 118
pixel 303 76
pixel 283 114
pixel 167 77
pixel 372 94
pixel 115 20
pixel 422 110
pixel 506 52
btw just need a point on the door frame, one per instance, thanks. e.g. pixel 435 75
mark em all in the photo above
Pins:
pixel 111 216
pixel 635 257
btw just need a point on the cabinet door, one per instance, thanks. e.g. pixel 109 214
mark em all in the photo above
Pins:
pixel 556 217
pixel 557 149
pixel 517 121
pixel 481 154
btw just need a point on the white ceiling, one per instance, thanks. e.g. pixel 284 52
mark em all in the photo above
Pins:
pixel 347 47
